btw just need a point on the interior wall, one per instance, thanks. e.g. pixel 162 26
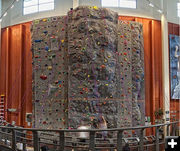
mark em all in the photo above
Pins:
pixel 16 68
pixel 143 9
pixel 172 11
pixel 16 72
pixel 15 16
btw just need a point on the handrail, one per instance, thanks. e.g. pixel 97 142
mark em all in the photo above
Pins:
pixel 90 130
pixel 93 142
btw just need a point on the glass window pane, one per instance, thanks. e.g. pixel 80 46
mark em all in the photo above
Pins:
pixel 178 9
pixel 30 2
pixel 45 1
pixel 110 3
pixel 128 3
pixel 178 12
pixel 45 7
pixel 178 5
pixel 30 10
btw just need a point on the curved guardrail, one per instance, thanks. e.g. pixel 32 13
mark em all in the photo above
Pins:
pixel 66 139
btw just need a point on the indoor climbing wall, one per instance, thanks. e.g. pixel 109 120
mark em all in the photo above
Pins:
pixel 92 46
pixel 50 72
pixel 138 84
pixel 124 74
pixel 131 74
pixel 88 65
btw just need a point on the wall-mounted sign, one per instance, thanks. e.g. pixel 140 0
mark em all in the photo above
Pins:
pixel 29 117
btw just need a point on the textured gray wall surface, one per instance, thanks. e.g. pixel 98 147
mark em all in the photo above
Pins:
pixel 104 59
pixel 49 72
pixel 92 43
pixel 130 74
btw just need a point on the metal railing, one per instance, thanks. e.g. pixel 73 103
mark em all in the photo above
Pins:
pixel 66 140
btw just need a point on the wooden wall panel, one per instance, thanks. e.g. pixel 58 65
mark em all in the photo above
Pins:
pixel 174 29
pixel 26 105
pixel 4 66
pixel 16 73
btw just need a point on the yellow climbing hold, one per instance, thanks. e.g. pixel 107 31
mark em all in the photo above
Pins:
pixel 95 7
pixel 49 67
pixel 44 20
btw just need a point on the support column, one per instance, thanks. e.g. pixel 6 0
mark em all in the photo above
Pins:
pixel 75 3
pixel 165 65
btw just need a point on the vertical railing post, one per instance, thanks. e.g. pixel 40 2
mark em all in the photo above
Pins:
pixel 141 143
pixel 6 136
pixel 61 141
pixel 24 146
pixel 35 141
pixel 24 142
pixel 119 140
pixel 168 130
pixel 92 141
pixel 157 138
pixel 13 139
pixel 0 135
pixel 174 130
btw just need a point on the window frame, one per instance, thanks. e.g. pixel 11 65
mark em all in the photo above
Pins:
pixel 118 5
pixel 38 4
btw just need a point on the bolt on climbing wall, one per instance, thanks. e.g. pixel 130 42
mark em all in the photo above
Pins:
pixel 49 72
pixel 92 46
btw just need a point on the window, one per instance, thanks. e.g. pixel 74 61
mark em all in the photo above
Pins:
pixel 34 6
pixel 178 9
pixel 119 3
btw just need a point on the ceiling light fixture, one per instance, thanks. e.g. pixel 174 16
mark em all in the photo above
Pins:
pixel 160 11
pixel 5 14
pixel 151 4
pixel 12 6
